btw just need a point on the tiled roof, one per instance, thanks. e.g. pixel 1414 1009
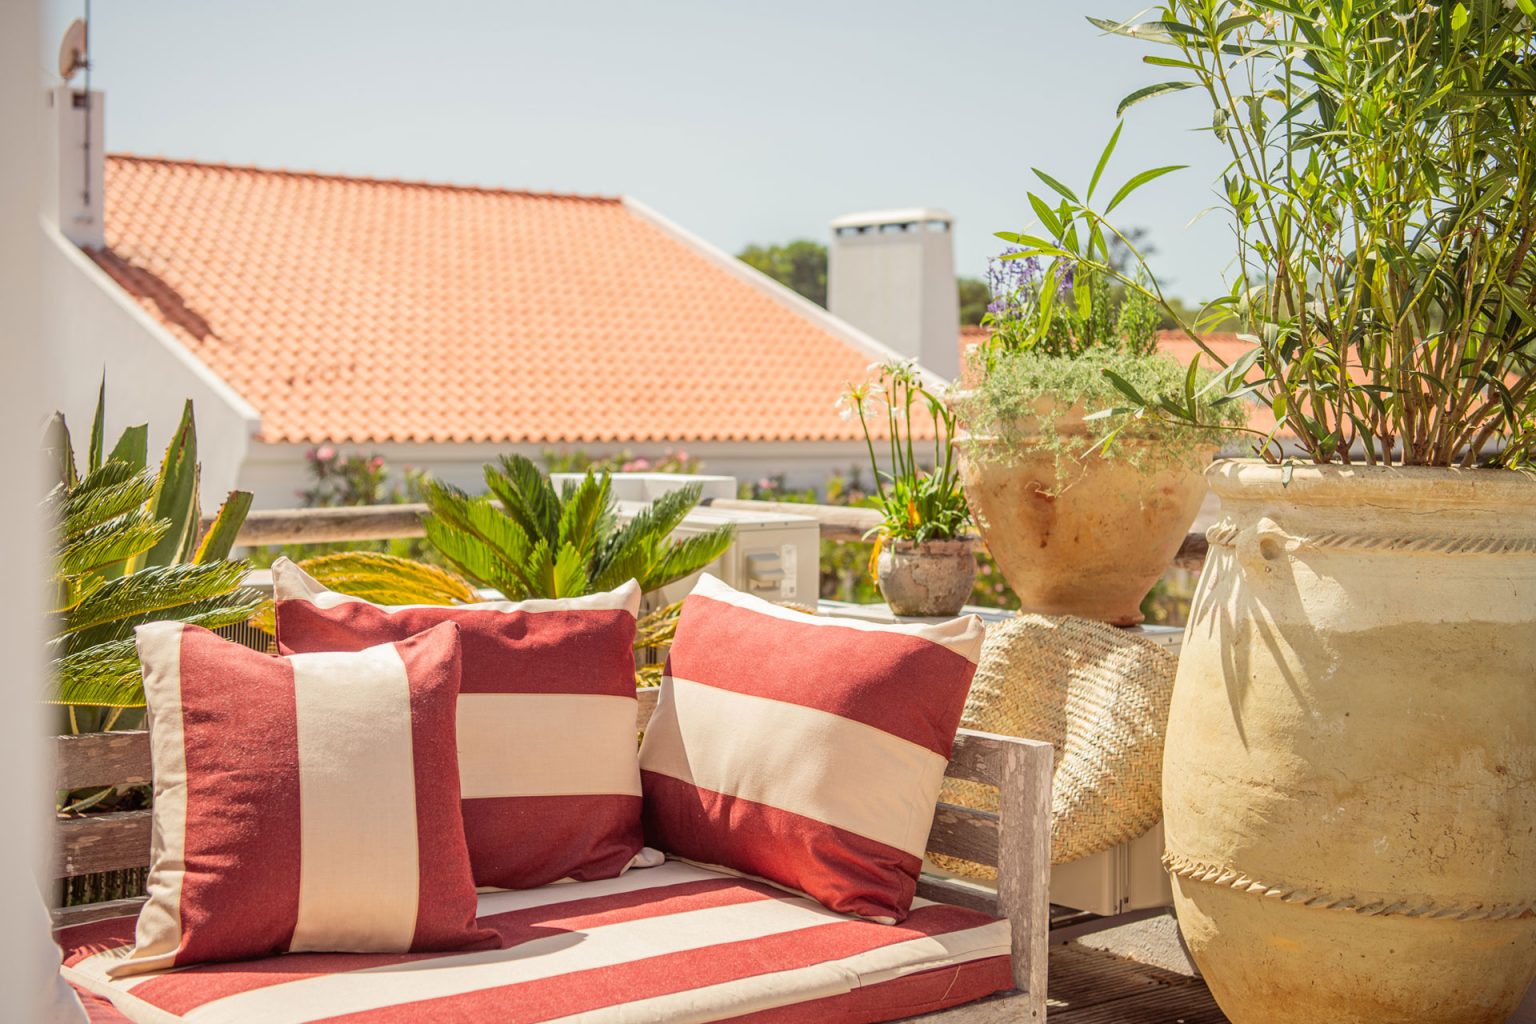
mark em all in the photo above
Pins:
pixel 360 310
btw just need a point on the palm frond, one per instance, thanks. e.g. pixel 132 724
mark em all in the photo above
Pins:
pixel 140 595
pixel 111 543
pixel 630 559
pixel 106 675
pixel 466 553
pixel 388 579
pixel 211 613
pixel 586 513
pixel 669 510
pixel 478 540
pixel 569 577
pixel 629 552
pixel 71 590
pixel 687 556
pixel 108 492
pixel 526 495
pixel 657 629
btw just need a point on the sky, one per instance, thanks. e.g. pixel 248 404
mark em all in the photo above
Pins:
pixel 743 122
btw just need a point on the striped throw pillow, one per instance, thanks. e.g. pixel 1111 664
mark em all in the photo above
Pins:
pixel 301 804
pixel 547 758
pixel 805 750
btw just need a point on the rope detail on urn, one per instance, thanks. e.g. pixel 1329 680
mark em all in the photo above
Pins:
pixel 1225 534
pixel 1231 878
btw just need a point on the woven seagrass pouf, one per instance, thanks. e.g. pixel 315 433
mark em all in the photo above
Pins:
pixel 1100 695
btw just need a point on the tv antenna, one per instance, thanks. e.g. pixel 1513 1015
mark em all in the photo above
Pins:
pixel 74 52
pixel 75 55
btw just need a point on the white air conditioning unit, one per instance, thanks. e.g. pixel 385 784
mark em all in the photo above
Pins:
pixel 776 556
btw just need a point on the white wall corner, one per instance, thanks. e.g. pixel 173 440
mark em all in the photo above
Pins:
pixel 92 326
pixel 876 350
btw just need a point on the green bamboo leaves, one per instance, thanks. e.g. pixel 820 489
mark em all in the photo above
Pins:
pixel 1381 185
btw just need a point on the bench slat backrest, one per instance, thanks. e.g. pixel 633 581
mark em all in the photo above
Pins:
pixel 109 842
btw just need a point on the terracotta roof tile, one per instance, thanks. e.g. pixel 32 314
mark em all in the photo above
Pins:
pixel 365 310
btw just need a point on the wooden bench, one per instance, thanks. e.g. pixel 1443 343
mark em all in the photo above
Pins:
pixel 1016 840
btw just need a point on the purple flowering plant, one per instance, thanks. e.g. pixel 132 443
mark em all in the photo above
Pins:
pixel 1059 308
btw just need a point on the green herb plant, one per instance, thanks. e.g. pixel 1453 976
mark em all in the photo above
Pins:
pixel 917 503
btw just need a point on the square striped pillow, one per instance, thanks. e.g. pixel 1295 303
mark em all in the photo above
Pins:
pixel 805 750
pixel 304 803
pixel 547 757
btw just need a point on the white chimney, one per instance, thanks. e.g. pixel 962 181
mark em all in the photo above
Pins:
pixel 79 159
pixel 891 273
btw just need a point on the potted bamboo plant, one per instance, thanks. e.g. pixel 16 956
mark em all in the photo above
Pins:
pixel 1078 526
pixel 1350 779
pixel 923 559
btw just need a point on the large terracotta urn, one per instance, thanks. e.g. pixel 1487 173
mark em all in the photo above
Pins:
pixel 1081 534
pixel 1350 773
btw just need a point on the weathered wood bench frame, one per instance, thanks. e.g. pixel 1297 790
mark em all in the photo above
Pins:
pixel 1015 840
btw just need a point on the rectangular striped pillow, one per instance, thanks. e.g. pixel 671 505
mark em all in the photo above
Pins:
pixel 805 750
pixel 303 803
pixel 547 758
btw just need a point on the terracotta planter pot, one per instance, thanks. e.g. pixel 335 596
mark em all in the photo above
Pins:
pixel 1089 538
pixel 1350 774
pixel 932 578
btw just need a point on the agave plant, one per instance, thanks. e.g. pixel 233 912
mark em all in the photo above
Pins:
pixel 528 540
pixel 131 550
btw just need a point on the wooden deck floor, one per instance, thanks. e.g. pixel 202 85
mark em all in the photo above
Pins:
pixel 1090 986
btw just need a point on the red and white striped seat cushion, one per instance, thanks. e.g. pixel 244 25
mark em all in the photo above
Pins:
pixel 802 749
pixel 547 757
pixel 304 803
pixel 676 943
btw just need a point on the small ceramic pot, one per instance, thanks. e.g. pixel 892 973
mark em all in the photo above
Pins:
pixel 932 578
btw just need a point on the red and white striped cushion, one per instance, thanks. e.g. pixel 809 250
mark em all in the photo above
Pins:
pixel 546 720
pixel 304 803
pixel 805 750
pixel 674 943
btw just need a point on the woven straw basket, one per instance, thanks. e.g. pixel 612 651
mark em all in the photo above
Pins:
pixel 1101 696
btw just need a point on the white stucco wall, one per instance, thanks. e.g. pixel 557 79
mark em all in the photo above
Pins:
pixel 276 473
pixel 91 326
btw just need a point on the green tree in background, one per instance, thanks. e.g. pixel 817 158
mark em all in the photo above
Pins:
pixel 801 265
pixel 975 296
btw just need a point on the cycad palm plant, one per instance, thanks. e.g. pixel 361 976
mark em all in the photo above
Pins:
pixel 530 541
pixel 128 553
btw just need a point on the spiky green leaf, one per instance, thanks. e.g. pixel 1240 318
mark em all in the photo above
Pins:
pixel 98 429
pixel 1149 91
pixel 175 496
pixel 220 538
pixel 132 447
